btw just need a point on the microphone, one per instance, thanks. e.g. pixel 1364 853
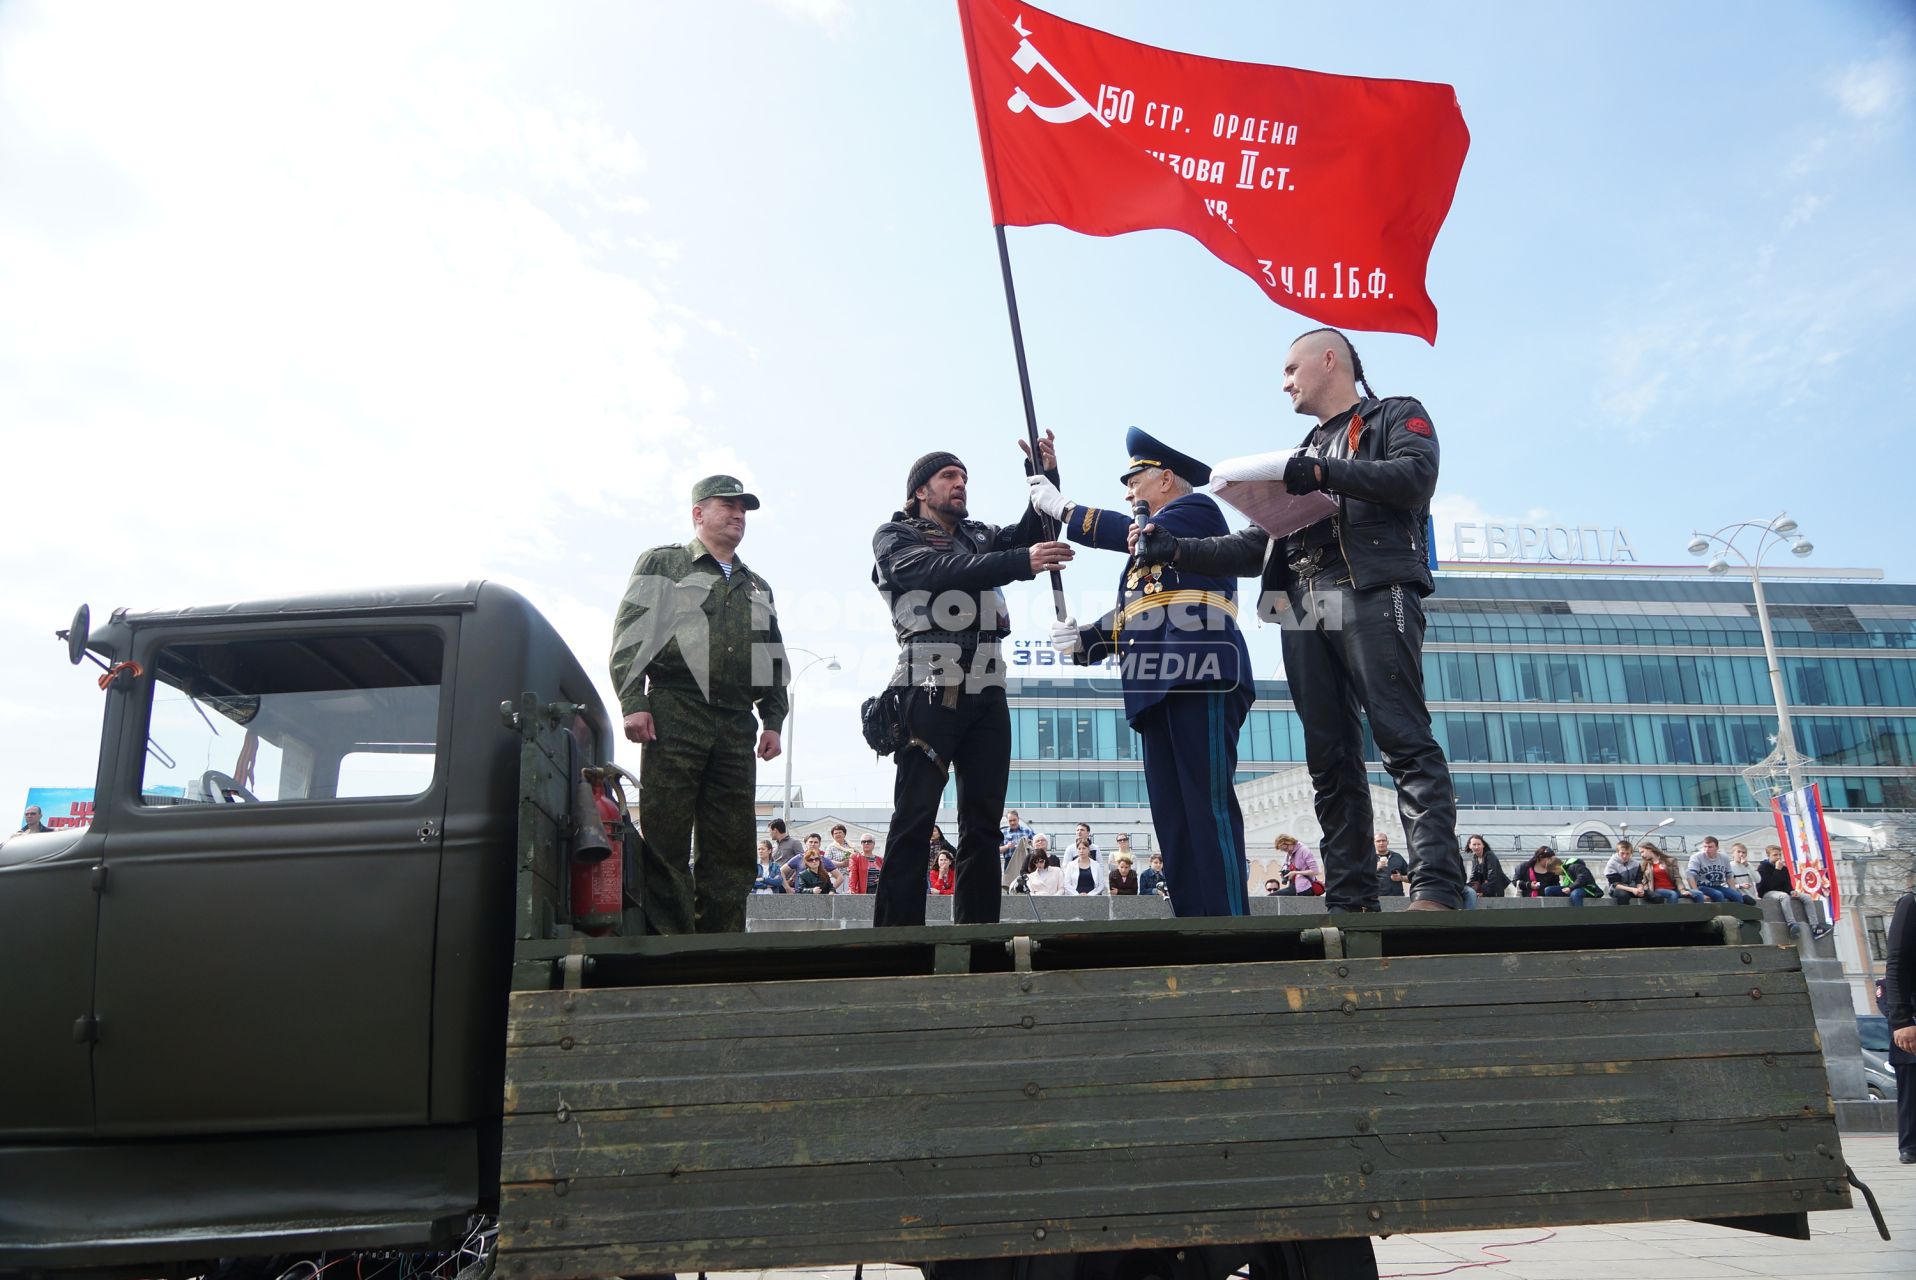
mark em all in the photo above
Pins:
pixel 1141 509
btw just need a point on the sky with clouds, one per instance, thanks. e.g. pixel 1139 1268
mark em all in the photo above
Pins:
pixel 299 299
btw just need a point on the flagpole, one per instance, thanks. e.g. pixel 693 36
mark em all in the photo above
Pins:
pixel 1031 413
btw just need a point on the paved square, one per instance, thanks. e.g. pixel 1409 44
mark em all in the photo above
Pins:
pixel 1842 1246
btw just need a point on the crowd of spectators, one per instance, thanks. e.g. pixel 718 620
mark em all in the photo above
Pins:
pixel 787 866
pixel 811 865
pixel 1642 873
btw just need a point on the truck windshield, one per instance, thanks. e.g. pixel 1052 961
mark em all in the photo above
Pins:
pixel 294 718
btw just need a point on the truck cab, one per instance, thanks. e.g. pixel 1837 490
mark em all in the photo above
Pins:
pixel 263 996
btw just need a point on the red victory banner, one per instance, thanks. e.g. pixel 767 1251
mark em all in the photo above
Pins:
pixel 1326 190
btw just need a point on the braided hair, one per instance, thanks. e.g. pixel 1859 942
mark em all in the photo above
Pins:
pixel 1357 363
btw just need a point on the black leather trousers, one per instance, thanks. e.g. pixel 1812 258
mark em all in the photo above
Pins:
pixel 1344 650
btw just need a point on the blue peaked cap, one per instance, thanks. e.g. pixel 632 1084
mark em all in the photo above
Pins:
pixel 1147 450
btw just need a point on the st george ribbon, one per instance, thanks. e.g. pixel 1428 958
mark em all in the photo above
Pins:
pixel 1327 191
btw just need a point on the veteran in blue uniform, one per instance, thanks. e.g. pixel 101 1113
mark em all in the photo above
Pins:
pixel 1186 673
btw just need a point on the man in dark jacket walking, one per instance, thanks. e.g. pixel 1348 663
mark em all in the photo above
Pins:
pixel 1349 593
pixel 940 573
pixel 1899 1005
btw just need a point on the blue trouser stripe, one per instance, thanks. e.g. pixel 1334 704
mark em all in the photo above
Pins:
pixel 1189 755
pixel 1221 795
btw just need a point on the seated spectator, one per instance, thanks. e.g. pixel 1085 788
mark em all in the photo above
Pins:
pixel 1578 883
pixel 1009 837
pixel 1773 874
pixel 1082 875
pixel 795 867
pixel 862 866
pixel 1042 844
pixel 1271 889
pixel 1488 879
pixel 1303 870
pixel 1661 877
pixel 1123 879
pixel 1124 846
pixel 768 879
pixel 1040 876
pixel 839 850
pixel 940 844
pixel 1773 880
pixel 1545 875
pixel 813 877
pixel 1152 881
pixel 1537 872
pixel 1742 874
pixel 943 877
pixel 1708 874
pixel 1625 875
pixel 1084 833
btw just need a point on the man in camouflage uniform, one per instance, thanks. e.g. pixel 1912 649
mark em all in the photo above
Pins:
pixel 695 647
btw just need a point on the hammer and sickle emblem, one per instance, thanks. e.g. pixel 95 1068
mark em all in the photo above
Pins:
pixel 1028 57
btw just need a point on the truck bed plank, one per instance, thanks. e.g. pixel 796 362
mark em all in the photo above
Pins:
pixel 791 1123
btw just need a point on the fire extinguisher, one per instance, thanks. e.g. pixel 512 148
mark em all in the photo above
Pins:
pixel 598 863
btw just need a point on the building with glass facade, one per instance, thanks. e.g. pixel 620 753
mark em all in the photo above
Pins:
pixel 1572 693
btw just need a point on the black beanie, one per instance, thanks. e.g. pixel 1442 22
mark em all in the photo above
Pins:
pixel 924 469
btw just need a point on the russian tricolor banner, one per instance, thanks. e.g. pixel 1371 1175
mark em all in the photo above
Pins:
pixel 1806 843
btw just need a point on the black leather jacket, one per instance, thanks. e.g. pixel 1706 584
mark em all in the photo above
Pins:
pixel 1383 494
pixel 943 587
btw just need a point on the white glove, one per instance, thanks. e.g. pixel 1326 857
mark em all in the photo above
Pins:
pixel 1045 496
pixel 1064 635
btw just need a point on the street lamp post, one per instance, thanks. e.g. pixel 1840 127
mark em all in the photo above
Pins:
pixel 1623 830
pixel 1770 534
pixel 791 721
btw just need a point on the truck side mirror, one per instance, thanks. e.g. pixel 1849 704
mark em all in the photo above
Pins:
pixel 76 635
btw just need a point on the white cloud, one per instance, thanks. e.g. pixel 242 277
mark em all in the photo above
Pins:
pixel 339 292
pixel 1875 88
pixel 300 301
pixel 1448 510
pixel 829 14
pixel 1806 207
pixel 634 205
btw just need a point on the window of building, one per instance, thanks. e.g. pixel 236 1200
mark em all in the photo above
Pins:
pixel 1677 748
pixel 1749 740
pixel 1602 740
pixel 1468 736
pixel 1535 739
pixel 1810 686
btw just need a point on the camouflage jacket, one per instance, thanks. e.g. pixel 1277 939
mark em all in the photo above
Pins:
pixel 683 625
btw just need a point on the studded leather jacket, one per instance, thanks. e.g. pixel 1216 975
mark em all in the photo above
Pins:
pixel 1383 491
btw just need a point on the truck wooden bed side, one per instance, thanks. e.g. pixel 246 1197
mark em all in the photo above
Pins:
pixel 966 1094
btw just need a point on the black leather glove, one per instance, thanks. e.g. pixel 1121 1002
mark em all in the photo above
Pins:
pixel 1156 546
pixel 1301 474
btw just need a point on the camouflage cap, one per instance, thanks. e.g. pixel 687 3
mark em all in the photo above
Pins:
pixel 724 487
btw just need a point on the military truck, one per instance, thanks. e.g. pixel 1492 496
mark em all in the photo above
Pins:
pixel 314 986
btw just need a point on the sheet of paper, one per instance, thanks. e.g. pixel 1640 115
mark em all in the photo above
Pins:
pixel 1254 484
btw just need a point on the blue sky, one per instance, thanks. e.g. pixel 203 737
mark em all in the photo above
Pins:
pixel 377 296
